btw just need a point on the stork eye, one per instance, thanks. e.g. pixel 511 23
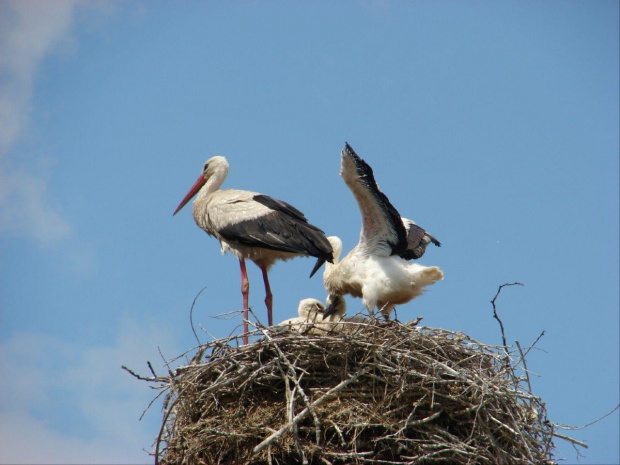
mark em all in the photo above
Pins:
pixel 204 168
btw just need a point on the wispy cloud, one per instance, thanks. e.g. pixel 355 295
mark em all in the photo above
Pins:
pixel 29 32
pixel 25 206
pixel 86 385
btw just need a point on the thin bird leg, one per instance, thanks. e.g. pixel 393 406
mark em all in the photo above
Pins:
pixel 386 310
pixel 245 291
pixel 268 296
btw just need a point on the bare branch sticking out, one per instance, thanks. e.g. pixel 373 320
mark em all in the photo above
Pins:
pixel 501 325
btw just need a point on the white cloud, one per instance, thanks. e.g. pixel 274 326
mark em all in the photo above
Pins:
pixel 25 206
pixel 62 403
pixel 29 32
pixel 29 378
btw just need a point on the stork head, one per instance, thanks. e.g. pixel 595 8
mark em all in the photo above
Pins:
pixel 336 244
pixel 336 305
pixel 308 308
pixel 215 168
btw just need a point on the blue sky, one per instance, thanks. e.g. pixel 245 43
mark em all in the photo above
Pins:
pixel 493 124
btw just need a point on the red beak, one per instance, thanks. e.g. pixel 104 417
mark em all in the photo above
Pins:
pixel 192 192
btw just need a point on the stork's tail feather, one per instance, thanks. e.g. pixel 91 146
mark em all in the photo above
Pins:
pixel 434 241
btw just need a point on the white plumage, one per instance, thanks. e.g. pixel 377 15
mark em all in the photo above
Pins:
pixel 253 226
pixel 382 282
pixel 310 313
pixel 312 317
pixel 376 269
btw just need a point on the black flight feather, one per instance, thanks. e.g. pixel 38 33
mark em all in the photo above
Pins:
pixel 417 240
pixel 285 229
pixel 366 176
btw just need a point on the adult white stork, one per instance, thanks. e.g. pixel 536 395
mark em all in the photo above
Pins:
pixel 376 269
pixel 253 226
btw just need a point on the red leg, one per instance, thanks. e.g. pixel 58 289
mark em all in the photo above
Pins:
pixel 268 296
pixel 245 291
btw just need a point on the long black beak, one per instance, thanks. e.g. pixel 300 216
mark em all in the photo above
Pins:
pixel 329 310
pixel 318 264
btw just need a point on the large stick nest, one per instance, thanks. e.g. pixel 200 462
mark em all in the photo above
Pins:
pixel 386 393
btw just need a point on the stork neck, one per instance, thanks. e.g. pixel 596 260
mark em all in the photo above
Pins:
pixel 336 255
pixel 214 182
pixel 331 267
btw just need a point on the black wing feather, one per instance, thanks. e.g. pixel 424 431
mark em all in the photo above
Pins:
pixel 417 240
pixel 284 228
pixel 392 216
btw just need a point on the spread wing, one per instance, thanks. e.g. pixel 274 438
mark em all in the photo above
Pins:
pixel 382 229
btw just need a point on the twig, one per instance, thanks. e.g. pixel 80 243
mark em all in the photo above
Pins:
pixel 301 415
pixel 424 420
pixel 143 378
pixel 204 330
pixel 527 374
pixel 501 325
pixel 226 315
pixel 574 428
pixel 571 440
pixel 150 404
pixel 151 368
pixel 163 426
pixel 290 403
pixel 191 312
pixel 166 362
pixel 542 333
pixel 306 399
